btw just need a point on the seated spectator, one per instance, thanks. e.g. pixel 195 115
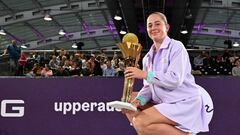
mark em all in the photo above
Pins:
pixel 236 69
pixel 62 72
pixel 87 71
pixel 66 65
pixel 46 71
pixel 110 71
pixel 35 71
pixel 84 61
pixel 120 69
pixel 114 60
pixel 97 70
pixel 62 62
pixel 78 61
pixel 61 53
pixel 54 63
pixel 103 64
pixel 198 61
pixel 74 70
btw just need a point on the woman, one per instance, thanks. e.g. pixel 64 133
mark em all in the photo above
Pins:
pixel 179 103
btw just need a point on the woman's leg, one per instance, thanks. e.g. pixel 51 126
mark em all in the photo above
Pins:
pixel 151 122
pixel 163 129
pixel 132 114
pixel 148 121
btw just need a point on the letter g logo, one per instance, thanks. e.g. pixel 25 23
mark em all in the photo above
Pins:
pixel 17 111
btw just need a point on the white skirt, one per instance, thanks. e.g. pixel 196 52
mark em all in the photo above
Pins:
pixel 192 115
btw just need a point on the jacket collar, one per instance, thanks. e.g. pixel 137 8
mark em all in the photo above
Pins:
pixel 164 45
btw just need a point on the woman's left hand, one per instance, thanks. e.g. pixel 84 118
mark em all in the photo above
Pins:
pixel 133 72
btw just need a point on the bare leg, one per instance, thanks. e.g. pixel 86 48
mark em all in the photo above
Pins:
pixel 163 129
pixel 130 115
pixel 150 122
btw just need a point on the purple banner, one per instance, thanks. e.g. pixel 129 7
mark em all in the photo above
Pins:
pixel 77 106
pixel 225 93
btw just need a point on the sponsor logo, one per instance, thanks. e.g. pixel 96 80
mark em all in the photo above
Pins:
pixel 74 107
pixel 12 108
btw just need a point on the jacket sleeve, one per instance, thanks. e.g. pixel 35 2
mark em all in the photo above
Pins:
pixel 145 92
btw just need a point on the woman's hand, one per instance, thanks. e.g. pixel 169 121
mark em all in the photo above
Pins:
pixel 136 103
pixel 133 72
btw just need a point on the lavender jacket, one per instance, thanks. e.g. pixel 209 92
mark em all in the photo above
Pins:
pixel 172 80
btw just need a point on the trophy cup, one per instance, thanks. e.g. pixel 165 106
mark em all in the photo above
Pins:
pixel 131 50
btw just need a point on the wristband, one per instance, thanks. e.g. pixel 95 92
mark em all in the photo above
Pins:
pixel 142 100
pixel 149 76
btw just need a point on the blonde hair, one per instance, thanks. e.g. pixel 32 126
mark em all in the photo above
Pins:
pixel 162 16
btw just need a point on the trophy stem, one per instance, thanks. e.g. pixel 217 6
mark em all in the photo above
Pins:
pixel 127 89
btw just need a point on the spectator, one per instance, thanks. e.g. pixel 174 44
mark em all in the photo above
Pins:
pixel 14 54
pixel 120 69
pixel 62 72
pixel 78 61
pixel 54 63
pixel 97 71
pixel 198 61
pixel 236 69
pixel 22 63
pixel 46 71
pixel 35 71
pixel 87 71
pixel 110 71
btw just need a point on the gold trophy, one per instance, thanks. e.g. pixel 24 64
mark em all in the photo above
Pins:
pixel 131 50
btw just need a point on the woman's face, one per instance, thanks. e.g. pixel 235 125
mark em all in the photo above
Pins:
pixel 156 28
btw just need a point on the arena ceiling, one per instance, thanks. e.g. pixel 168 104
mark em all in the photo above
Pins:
pixel 209 22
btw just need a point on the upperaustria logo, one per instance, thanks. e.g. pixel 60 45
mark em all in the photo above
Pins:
pixel 12 108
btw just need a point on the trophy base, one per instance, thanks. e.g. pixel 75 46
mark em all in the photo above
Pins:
pixel 122 105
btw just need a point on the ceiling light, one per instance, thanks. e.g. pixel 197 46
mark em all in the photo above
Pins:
pixel 47 17
pixel 74 45
pixel 23 46
pixel 235 44
pixel 123 32
pixel 117 17
pixel 183 29
pixel 61 32
pixel 2 32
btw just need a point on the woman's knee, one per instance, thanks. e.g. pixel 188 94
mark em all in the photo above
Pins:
pixel 139 124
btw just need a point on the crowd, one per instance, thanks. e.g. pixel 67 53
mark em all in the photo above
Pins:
pixel 65 63
pixel 79 63
pixel 226 63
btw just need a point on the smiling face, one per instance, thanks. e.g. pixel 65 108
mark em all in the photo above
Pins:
pixel 157 28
